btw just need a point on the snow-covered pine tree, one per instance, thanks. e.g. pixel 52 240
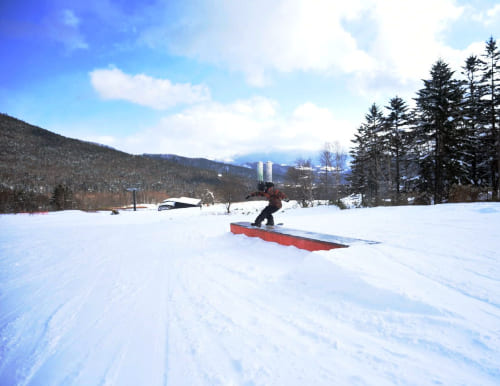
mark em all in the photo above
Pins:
pixel 438 133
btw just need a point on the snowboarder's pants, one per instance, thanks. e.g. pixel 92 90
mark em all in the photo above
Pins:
pixel 267 213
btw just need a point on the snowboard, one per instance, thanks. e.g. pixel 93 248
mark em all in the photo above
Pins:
pixel 268 226
pixel 275 225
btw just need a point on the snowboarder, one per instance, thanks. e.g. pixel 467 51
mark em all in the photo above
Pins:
pixel 274 196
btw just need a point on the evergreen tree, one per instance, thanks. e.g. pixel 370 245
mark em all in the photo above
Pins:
pixel 439 133
pixel 367 156
pixel 473 120
pixel 396 142
pixel 359 160
pixel 62 198
pixel 491 82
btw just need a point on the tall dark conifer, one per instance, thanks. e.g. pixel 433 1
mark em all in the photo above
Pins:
pixel 367 156
pixel 359 160
pixel 438 132
pixel 396 140
pixel 473 120
pixel 491 81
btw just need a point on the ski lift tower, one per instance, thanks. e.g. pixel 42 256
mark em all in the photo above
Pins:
pixel 134 190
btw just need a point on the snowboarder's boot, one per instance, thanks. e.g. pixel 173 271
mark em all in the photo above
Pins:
pixel 255 224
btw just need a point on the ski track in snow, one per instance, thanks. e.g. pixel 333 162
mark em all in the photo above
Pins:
pixel 171 298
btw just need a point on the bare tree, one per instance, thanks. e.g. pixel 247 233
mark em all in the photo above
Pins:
pixel 338 166
pixel 301 182
pixel 326 162
pixel 231 189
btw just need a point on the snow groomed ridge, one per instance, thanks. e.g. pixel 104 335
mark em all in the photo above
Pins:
pixel 310 241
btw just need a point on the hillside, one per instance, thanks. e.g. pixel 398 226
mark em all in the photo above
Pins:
pixel 206 164
pixel 34 161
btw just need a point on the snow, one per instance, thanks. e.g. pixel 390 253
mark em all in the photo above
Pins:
pixel 173 298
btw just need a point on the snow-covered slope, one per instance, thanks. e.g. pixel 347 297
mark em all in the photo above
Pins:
pixel 173 298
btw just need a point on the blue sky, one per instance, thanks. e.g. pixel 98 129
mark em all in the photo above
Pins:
pixel 221 79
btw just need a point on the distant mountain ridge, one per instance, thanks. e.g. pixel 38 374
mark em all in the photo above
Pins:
pixel 283 158
pixel 35 161
pixel 246 170
pixel 203 163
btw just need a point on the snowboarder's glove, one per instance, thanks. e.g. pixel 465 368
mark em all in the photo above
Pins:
pixel 287 200
pixel 247 197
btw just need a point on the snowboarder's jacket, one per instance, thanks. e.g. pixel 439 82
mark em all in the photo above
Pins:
pixel 273 195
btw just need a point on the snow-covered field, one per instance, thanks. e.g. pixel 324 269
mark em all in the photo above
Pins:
pixel 173 298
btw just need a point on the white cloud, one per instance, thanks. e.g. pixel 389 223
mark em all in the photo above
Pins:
pixel 144 90
pixel 408 40
pixel 311 126
pixel 397 39
pixel 409 34
pixel 221 131
pixel 64 27
pixel 258 37
pixel 489 17
pixel 69 18
pixel 493 13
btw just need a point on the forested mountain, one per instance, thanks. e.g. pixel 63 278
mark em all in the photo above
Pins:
pixel 35 164
pixel 203 163
pixel 248 170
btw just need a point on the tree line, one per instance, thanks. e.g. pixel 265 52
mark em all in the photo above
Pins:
pixel 446 148
pixel 326 181
pixel 42 171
